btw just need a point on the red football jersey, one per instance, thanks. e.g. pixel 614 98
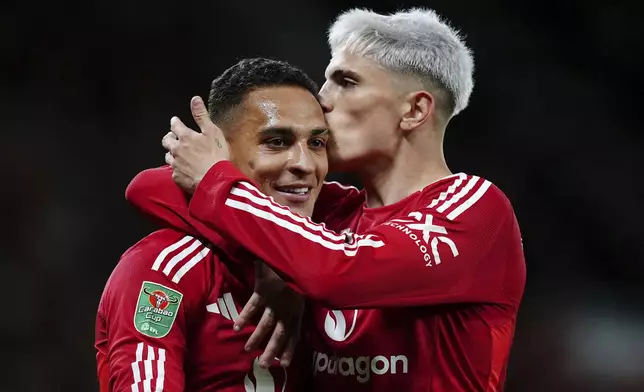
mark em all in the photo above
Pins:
pixel 166 315
pixel 445 267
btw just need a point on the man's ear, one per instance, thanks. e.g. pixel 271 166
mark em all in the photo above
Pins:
pixel 420 106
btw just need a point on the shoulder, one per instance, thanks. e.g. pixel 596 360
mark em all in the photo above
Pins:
pixel 333 196
pixel 334 192
pixel 464 196
pixel 166 257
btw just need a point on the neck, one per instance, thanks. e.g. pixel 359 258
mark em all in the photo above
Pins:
pixel 410 169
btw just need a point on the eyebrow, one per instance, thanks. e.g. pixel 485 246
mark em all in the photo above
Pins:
pixel 272 131
pixel 286 131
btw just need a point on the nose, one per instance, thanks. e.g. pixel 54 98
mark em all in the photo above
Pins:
pixel 325 98
pixel 301 162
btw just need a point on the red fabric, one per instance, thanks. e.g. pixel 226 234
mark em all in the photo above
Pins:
pixel 201 352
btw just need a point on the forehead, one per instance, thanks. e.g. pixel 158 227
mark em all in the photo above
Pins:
pixel 343 60
pixel 284 106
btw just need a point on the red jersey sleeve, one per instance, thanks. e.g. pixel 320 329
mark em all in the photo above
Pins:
pixel 155 194
pixel 145 312
pixel 463 254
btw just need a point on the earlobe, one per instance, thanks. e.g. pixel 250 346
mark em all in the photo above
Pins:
pixel 406 125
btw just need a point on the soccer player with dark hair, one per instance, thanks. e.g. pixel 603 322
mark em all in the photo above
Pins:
pixel 165 320
pixel 421 274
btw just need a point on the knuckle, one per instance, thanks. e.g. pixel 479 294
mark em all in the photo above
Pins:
pixel 269 322
pixel 266 323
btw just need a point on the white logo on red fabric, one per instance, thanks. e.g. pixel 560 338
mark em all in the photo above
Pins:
pixel 261 380
pixel 336 325
pixel 425 227
pixel 224 306
pixel 424 223
pixel 362 367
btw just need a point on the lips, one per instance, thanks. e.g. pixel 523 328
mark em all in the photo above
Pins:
pixel 295 193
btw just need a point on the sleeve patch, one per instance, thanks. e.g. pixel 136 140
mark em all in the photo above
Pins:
pixel 156 309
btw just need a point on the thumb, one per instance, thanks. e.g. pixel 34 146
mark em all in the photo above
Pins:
pixel 201 116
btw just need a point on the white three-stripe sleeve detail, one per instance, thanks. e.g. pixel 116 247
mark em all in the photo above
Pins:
pixel 180 256
pixel 469 202
pixel 262 200
pixel 349 250
pixel 187 266
pixel 148 366
pixel 451 189
pixel 165 252
pixel 468 187
pixel 277 209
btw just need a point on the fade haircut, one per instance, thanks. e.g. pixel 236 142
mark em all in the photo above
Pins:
pixel 229 90
pixel 415 42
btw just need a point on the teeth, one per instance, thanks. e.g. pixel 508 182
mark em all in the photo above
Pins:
pixel 297 191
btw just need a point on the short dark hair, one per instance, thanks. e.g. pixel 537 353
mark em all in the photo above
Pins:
pixel 231 87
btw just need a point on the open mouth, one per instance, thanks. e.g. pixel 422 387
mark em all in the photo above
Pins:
pixel 295 194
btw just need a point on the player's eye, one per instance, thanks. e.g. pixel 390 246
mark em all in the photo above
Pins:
pixel 317 143
pixel 348 82
pixel 276 142
pixel 344 81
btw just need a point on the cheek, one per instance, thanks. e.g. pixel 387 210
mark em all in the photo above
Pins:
pixel 322 165
pixel 368 107
pixel 266 167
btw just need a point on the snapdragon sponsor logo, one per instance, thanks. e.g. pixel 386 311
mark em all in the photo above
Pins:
pixel 263 380
pixel 362 368
pixel 336 324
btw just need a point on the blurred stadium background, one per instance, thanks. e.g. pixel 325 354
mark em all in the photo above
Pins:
pixel 88 89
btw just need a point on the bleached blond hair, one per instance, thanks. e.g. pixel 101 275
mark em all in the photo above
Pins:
pixel 415 42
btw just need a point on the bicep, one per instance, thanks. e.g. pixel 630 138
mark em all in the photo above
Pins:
pixel 147 339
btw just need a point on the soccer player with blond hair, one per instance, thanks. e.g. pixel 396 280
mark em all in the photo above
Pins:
pixel 417 279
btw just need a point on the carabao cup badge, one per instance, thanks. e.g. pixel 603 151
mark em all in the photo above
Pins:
pixel 156 309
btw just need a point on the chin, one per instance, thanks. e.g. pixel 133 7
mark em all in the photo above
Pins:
pixel 302 210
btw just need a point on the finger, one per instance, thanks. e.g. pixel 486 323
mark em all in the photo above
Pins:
pixel 178 127
pixel 201 116
pixel 170 141
pixel 249 312
pixel 274 347
pixel 263 329
pixel 293 338
pixel 169 159
pixel 289 350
